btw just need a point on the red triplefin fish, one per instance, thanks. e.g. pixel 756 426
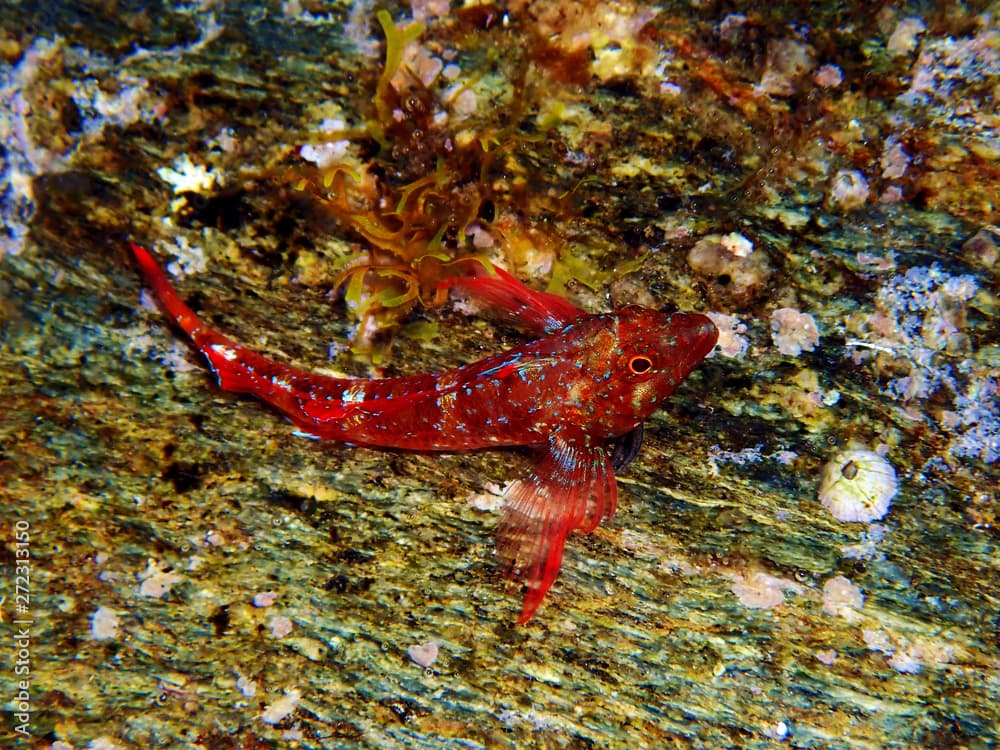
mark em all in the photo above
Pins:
pixel 576 396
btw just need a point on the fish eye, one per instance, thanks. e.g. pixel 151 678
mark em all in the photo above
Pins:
pixel 640 364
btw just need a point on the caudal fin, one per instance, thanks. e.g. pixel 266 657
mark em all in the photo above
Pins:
pixel 312 401
pixel 171 301
pixel 237 368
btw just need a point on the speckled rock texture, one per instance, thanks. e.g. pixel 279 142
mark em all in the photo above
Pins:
pixel 181 570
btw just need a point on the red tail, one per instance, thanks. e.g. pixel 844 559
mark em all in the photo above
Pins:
pixel 237 368
pixel 171 301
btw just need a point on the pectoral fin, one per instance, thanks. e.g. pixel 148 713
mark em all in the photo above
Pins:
pixel 572 487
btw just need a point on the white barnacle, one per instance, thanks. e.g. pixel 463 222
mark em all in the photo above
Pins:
pixel 857 485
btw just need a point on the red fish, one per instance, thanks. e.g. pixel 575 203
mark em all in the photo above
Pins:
pixel 577 396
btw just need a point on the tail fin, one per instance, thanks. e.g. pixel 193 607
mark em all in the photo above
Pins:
pixel 312 401
pixel 237 368
pixel 172 303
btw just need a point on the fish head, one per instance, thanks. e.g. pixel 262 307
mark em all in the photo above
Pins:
pixel 634 362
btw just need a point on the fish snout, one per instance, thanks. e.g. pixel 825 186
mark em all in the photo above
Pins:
pixel 695 333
